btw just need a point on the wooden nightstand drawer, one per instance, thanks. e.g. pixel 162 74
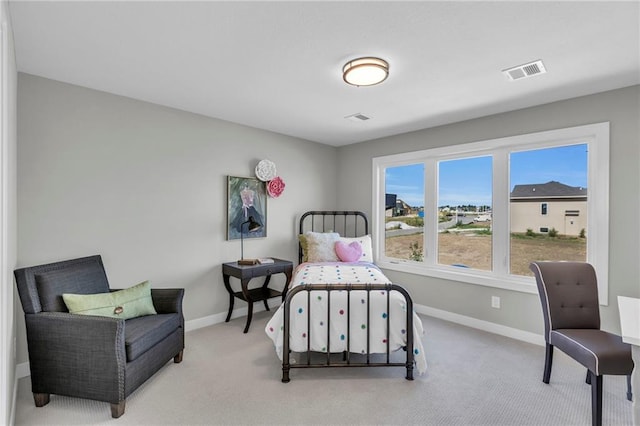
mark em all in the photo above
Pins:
pixel 267 269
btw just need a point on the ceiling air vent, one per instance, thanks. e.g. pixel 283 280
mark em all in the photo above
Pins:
pixel 358 118
pixel 526 70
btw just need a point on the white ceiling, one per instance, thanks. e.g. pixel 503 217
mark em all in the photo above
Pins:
pixel 277 65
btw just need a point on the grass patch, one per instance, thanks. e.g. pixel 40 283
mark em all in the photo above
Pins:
pixel 545 237
pixel 474 249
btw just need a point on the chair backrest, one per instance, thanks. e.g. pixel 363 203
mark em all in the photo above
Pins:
pixel 41 287
pixel 569 295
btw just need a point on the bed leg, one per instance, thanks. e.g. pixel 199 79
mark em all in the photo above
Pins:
pixel 285 374
pixel 409 374
pixel 410 362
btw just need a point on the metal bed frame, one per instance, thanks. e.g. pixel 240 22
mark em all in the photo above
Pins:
pixel 316 221
pixel 348 225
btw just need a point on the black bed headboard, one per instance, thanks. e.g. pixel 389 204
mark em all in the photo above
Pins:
pixel 346 223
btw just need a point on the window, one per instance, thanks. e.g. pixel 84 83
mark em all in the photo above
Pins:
pixel 403 212
pixel 481 212
pixel 554 178
pixel 464 212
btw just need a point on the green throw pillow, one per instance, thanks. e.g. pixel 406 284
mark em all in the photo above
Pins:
pixel 128 303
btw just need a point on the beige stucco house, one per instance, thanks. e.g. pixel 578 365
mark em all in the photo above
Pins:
pixel 551 205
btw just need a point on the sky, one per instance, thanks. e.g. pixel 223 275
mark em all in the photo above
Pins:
pixel 469 180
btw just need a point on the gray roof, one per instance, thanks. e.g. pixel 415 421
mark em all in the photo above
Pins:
pixel 550 189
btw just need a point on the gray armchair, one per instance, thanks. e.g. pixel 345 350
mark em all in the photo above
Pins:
pixel 99 358
pixel 569 296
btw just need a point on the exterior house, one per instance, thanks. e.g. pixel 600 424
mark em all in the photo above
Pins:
pixel 552 205
pixel 390 205
pixel 396 207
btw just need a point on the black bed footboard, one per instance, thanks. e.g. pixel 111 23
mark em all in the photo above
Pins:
pixel 347 360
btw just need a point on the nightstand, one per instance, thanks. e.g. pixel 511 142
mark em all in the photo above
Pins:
pixel 245 273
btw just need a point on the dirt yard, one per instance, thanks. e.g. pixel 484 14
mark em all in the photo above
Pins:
pixel 475 250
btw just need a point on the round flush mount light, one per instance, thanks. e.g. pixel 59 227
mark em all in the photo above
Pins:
pixel 367 71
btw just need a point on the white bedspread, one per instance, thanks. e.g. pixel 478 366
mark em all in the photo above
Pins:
pixel 346 273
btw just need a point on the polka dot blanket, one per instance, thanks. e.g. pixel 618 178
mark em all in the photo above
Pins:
pixel 316 310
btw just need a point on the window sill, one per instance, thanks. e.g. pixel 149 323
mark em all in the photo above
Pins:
pixel 464 275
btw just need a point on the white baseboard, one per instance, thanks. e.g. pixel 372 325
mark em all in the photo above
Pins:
pixel 218 318
pixel 22 370
pixel 12 416
pixel 502 330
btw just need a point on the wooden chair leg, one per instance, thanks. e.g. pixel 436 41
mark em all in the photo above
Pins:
pixel 548 360
pixel 178 358
pixel 41 399
pixel 117 409
pixel 596 400
pixel 629 390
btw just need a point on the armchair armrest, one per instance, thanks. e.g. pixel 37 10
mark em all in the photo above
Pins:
pixel 77 355
pixel 167 300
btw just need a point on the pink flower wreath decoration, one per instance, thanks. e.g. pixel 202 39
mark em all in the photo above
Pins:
pixel 275 187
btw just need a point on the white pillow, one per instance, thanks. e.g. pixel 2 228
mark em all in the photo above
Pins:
pixel 365 243
pixel 321 246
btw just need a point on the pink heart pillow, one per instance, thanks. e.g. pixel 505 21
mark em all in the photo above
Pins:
pixel 348 252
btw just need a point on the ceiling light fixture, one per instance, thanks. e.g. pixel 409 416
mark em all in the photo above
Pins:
pixel 365 71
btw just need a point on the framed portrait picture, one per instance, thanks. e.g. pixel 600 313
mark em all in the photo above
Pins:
pixel 246 198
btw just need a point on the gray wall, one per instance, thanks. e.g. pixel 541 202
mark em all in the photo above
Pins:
pixel 522 311
pixel 145 186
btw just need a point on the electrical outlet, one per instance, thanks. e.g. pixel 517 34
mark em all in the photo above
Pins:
pixel 495 302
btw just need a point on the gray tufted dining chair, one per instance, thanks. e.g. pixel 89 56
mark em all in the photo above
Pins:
pixel 569 296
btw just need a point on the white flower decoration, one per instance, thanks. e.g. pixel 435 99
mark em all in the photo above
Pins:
pixel 265 170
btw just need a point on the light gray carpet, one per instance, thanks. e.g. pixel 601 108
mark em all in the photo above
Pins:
pixel 227 377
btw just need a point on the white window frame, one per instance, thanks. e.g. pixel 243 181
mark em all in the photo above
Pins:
pixel 596 136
